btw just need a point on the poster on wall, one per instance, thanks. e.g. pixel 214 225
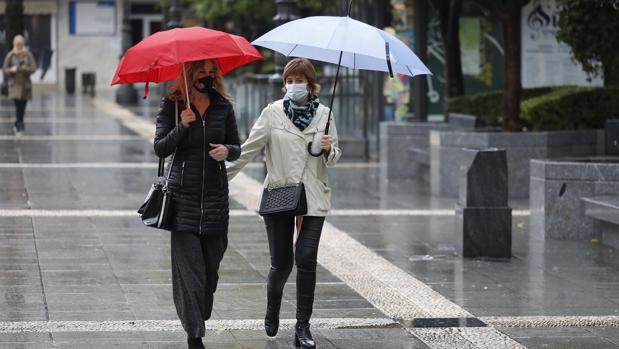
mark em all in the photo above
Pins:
pixel 92 17
pixel 545 61
pixel 40 36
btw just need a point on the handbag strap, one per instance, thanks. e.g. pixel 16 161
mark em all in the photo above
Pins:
pixel 162 160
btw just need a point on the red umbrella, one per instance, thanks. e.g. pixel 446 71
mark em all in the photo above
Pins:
pixel 160 57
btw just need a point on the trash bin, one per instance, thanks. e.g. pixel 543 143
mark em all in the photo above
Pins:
pixel 69 76
pixel 89 82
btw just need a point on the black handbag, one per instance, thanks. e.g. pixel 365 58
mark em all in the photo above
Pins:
pixel 288 199
pixel 156 211
pixel 284 200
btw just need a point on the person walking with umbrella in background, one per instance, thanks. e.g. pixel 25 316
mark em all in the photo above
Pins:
pixel 18 65
pixel 196 124
pixel 285 129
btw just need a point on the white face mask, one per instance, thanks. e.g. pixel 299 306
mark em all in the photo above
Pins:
pixel 297 92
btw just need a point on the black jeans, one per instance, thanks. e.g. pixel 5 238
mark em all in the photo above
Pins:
pixel 280 231
pixel 20 110
pixel 195 266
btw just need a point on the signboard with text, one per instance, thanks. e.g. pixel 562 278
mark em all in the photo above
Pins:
pixel 545 61
pixel 92 17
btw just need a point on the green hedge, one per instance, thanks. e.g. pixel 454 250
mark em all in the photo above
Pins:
pixel 488 106
pixel 573 108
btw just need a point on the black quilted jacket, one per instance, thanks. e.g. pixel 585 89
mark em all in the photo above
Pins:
pixel 199 183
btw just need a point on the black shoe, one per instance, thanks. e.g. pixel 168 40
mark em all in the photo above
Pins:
pixel 271 324
pixel 303 336
pixel 271 319
pixel 195 343
pixel 16 130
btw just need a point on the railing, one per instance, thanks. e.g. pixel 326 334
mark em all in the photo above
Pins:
pixel 250 94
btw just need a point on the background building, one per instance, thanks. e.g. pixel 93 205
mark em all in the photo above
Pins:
pixel 82 34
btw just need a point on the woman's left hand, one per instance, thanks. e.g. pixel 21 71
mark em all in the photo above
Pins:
pixel 325 143
pixel 219 152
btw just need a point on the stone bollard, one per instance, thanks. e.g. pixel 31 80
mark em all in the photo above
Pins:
pixel 483 218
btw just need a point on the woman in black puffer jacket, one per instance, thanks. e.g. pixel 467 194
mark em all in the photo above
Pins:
pixel 204 136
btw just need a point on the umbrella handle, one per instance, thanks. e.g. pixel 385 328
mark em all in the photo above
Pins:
pixel 186 88
pixel 309 150
pixel 337 74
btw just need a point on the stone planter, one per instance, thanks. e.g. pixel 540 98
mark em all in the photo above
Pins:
pixel 446 154
pixel 405 147
pixel 557 188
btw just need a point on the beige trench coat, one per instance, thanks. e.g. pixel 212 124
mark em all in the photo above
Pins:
pixel 287 155
pixel 20 86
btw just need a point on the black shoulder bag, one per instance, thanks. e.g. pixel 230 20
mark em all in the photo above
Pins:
pixel 156 210
pixel 288 199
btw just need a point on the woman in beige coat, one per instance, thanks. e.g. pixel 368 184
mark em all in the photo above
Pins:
pixel 285 129
pixel 18 65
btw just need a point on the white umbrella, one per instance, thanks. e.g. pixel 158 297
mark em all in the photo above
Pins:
pixel 345 42
pixel 361 45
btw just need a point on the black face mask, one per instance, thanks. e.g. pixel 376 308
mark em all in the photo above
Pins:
pixel 207 84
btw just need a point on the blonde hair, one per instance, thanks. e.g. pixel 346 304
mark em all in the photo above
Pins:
pixel 23 39
pixel 177 90
pixel 302 66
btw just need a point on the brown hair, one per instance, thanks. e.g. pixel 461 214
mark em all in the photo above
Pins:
pixel 302 66
pixel 177 90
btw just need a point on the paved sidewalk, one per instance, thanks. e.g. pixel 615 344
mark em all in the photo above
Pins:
pixel 80 271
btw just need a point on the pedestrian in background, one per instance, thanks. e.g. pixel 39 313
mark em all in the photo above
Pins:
pixel 203 139
pixel 18 65
pixel 285 128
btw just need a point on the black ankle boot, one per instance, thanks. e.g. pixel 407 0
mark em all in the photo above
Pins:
pixel 303 336
pixel 195 343
pixel 271 320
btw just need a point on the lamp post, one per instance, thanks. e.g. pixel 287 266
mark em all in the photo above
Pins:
pixel 174 15
pixel 126 94
pixel 286 11
pixel 419 92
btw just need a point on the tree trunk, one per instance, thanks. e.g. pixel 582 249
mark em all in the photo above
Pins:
pixel 513 80
pixel 449 12
pixel 14 21
pixel 454 61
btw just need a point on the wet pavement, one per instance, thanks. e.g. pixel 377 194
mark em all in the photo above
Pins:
pixel 79 270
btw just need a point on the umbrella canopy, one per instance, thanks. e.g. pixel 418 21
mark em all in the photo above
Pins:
pixel 159 57
pixel 361 45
